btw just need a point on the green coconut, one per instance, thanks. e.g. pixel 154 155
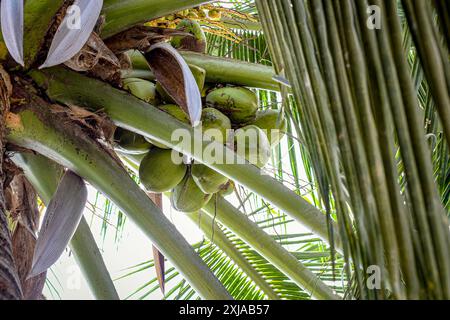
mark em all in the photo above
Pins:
pixel 176 112
pixel 214 14
pixel 163 95
pixel 207 88
pixel 214 119
pixel 197 43
pixel 227 188
pixel 142 89
pixel 273 123
pixel 207 179
pixel 188 197
pixel 158 172
pixel 199 76
pixel 130 143
pixel 239 104
pixel 252 144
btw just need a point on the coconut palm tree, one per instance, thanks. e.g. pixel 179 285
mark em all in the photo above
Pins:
pixel 364 88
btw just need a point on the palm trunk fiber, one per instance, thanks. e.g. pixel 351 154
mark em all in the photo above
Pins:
pixel 10 288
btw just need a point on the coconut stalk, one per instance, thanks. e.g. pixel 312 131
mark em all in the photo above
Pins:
pixel 135 115
pixel 236 23
pixel 38 129
pixel 121 15
pixel 218 70
pixel 232 71
pixel 211 230
pixel 248 231
pixel 45 175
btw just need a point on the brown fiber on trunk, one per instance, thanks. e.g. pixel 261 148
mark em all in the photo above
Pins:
pixel 10 288
pixel 89 126
pixel 22 203
pixel 98 60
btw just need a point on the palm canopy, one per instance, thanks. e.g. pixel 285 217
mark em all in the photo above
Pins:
pixel 363 165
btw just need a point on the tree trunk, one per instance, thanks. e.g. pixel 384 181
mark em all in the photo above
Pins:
pixel 22 205
pixel 10 288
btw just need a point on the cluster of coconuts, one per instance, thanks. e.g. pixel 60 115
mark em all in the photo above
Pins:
pixel 231 111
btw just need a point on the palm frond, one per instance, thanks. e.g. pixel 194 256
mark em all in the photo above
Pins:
pixel 361 100
pixel 308 249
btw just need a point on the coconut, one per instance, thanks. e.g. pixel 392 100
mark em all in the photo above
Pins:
pixel 214 119
pixel 158 172
pixel 207 88
pixel 273 123
pixel 226 189
pixel 163 95
pixel 176 112
pixel 197 43
pixel 142 89
pixel 239 104
pixel 252 144
pixel 199 76
pixel 188 197
pixel 214 14
pixel 207 179
pixel 130 143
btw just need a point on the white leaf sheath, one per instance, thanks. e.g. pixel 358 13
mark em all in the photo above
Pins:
pixel 73 32
pixel 12 28
pixel 61 220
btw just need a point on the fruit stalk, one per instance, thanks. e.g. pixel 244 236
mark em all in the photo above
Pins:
pixel 218 70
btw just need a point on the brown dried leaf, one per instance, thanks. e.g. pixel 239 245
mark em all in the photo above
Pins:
pixel 96 125
pixel 158 257
pixel 5 91
pixel 141 38
pixel 175 76
pixel 96 58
